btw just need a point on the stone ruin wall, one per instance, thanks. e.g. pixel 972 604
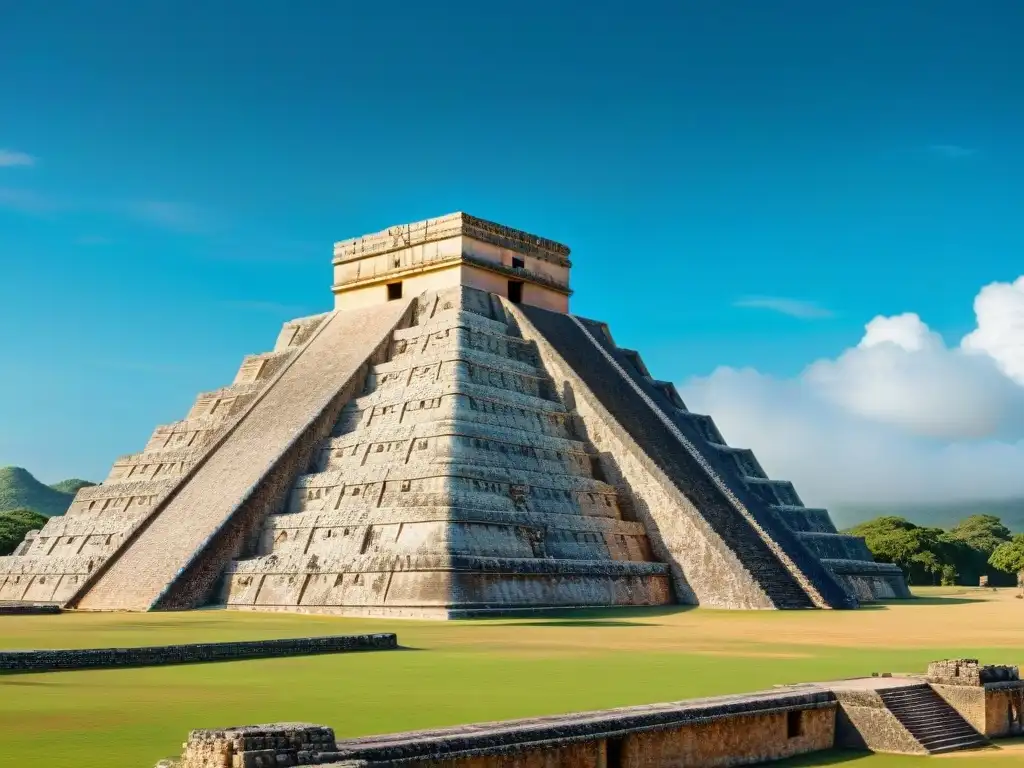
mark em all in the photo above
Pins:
pixel 279 745
pixel 724 731
pixel 189 653
pixel 970 672
pixel 455 482
pixel 990 697
pixel 52 564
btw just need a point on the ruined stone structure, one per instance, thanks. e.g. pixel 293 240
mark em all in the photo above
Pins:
pixel 882 713
pixel 449 441
pixel 990 697
pixel 56 660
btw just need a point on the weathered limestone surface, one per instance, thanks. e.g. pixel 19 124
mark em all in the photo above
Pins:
pixel 453 250
pixel 455 485
pixel 277 745
pixel 864 722
pixel 448 468
pixel 802 538
pixel 191 653
pixel 788 575
pixel 989 697
pixel 700 733
pixel 51 565
pixel 163 551
pixel 900 715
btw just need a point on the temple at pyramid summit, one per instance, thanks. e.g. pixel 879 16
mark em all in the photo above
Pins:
pixel 447 442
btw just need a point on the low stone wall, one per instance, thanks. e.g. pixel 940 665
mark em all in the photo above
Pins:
pixel 279 745
pixel 28 609
pixel 721 731
pixel 970 672
pixel 990 697
pixel 98 658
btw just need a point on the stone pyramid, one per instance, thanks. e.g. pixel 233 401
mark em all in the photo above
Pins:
pixel 448 442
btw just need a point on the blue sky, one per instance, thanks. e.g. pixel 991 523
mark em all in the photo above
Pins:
pixel 743 184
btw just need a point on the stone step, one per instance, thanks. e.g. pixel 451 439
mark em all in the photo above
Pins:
pixel 977 743
pixel 154 566
pixel 610 383
pixel 936 727
pixel 959 740
pixel 930 719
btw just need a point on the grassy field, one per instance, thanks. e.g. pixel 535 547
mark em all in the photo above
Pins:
pixel 460 672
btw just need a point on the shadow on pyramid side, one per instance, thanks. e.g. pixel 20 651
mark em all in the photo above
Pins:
pixel 468 450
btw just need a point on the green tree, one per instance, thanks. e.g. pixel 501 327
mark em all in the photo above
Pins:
pixel 982 532
pixel 1009 556
pixel 14 524
pixel 979 536
pixel 925 555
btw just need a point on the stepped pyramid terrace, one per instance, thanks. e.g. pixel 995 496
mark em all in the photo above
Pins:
pixel 448 442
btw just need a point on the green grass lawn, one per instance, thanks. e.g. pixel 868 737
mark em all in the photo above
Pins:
pixel 460 672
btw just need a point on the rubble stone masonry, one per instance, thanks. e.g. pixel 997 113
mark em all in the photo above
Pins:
pixel 100 658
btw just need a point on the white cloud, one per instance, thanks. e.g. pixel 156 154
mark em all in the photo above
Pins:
pixel 901 416
pixel 9 158
pixel 805 310
pixel 1000 333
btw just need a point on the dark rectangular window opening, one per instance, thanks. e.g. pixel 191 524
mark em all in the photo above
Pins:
pixel 794 723
pixel 518 263
pixel 394 291
pixel 515 291
pixel 613 753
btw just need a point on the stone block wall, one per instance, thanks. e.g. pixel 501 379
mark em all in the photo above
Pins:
pixel 27 609
pixel 111 658
pixel 990 697
pixel 721 731
pixel 278 745
pixel 970 672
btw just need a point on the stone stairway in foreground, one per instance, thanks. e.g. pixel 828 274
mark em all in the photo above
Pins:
pixel 173 558
pixel 930 720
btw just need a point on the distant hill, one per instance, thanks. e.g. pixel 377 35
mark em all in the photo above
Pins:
pixel 940 514
pixel 71 486
pixel 20 490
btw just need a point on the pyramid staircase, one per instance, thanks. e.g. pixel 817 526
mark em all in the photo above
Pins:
pixel 160 529
pixel 930 720
pixel 454 485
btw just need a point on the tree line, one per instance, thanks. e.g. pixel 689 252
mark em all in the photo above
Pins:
pixel 14 524
pixel 977 546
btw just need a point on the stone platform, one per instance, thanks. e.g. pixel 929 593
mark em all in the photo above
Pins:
pixel 900 714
